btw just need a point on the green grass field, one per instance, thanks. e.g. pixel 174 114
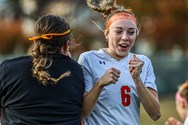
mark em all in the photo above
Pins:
pixel 168 108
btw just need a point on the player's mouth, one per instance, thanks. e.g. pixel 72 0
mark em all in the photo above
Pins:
pixel 124 47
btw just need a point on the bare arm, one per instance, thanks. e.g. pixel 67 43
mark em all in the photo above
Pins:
pixel 90 98
pixel 148 96
pixel 149 99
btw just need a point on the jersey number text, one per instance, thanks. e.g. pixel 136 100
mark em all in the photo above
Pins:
pixel 125 97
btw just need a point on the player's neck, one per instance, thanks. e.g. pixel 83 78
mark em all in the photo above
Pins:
pixel 114 55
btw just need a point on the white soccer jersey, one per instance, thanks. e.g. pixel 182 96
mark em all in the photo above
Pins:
pixel 186 121
pixel 118 104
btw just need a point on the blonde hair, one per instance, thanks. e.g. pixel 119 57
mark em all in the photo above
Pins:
pixel 107 8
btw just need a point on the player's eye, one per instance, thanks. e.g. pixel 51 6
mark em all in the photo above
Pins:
pixel 118 31
pixel 131 32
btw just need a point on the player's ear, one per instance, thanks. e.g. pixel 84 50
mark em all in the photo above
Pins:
pixel 106 32
pixel 185 104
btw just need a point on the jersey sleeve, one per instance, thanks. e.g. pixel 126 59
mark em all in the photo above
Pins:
pixel 87 71
pixel 150 76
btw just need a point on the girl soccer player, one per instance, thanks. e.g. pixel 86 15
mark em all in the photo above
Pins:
pixel 181 106
pixel 117 81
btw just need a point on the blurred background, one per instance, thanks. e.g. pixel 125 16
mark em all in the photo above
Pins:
pixel 163 37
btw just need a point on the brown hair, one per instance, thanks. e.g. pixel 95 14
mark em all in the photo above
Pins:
pixel 42 49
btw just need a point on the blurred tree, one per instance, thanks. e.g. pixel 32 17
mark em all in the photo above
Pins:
pixel 163 21
pixel 169 21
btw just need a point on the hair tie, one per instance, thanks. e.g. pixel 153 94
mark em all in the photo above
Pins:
pixel 49 35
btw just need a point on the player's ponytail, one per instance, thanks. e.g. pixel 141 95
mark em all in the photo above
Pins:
pixel 52 32
pixel 109 8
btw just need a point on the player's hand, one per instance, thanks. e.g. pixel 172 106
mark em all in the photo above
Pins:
pixel 135 66
pixel 110 77
pixel 173 121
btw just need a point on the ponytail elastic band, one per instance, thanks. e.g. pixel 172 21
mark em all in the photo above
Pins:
pixel 49 35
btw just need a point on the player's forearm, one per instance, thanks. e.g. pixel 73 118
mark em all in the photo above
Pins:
pixel 90 100
pixel 149 99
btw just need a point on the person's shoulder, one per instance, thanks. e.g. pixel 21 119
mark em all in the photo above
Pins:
pixel 16 60
pixel 71 60
pixel 143 57
pixel 89 53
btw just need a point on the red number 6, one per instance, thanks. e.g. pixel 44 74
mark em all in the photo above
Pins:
pixel 125 98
